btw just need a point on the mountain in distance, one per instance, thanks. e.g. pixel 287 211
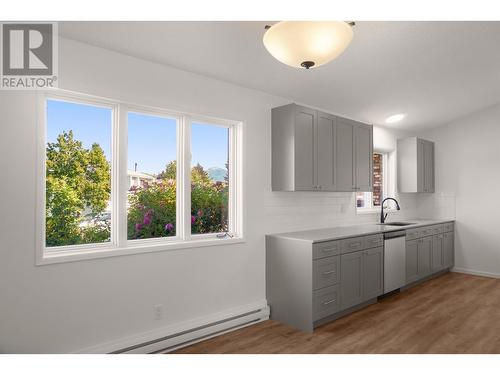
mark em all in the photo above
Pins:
pixel 217 174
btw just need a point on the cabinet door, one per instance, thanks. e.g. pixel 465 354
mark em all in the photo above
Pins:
pixel 437 253
pixel 420 166
pixel 373 273
pixel 448 250
pixel 305 120
pixel 325 152
pixel 424 248
pixel 429 167
pixel 363 157
pixel 344 155
pixel 411 261
pixel 351 284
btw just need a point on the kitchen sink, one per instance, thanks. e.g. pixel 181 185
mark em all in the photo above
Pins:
pixel 397 224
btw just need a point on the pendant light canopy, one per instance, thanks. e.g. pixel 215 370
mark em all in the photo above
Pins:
pixel 307 44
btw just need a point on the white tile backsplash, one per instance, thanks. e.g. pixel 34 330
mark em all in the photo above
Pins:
pixel 292 211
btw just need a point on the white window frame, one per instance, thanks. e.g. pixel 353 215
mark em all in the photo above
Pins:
pixel 385 186
pixel 119 243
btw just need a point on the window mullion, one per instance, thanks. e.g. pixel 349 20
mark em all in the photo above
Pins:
pixel 234 170
pixel 120 154
pixel 184 179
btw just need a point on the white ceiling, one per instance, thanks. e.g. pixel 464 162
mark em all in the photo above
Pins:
pixel 432 71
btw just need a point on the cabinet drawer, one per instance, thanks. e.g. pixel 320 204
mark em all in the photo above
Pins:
pixel 326 272
pixel 412 234
pixel 426 231
pixel 353 244
pixel 374 241
pixel 326 249
pixel 325 302
pixel 448 227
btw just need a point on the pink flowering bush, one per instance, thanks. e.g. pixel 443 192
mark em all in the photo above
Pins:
pixel 152 210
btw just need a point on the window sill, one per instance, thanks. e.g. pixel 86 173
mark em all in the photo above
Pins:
pixel 65 256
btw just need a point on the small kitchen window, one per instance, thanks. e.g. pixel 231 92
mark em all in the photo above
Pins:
pixel 370 201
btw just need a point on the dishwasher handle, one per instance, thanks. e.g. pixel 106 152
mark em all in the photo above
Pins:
pixel 399 233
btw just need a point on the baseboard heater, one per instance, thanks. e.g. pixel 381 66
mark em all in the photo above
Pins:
pixel 188 337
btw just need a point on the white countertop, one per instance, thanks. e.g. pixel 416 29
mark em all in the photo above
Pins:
pixel 336 233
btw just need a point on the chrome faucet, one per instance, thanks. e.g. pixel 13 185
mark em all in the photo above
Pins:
pixel 382 216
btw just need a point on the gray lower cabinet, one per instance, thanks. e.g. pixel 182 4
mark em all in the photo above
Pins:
pixel 311 283
pixel 448 250
pixel 351 284
pixel 437 261
pixel 362 276
pixel 424 250
pixel 373 273
pixel 411 261
pixel 428 252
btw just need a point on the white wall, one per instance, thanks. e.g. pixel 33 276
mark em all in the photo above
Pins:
pixel 71 306
pixel 467 155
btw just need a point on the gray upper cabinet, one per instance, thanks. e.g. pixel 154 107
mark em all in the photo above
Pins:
pixel 305 121
pixel 363 157
pixel 316 151
pixel 354 156
pixel 325 155
pixel 428 167
pixel 415 165
pixel 293 150
pixel 344 163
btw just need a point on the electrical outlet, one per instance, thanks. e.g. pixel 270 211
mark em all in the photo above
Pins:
pixel 158 312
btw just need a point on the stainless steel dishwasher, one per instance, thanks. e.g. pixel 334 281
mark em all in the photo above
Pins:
pixel 394 260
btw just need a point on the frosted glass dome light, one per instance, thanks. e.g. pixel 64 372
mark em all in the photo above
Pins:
pixel 307 44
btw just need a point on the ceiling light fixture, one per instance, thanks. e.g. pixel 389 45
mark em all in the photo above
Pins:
pixel 394 118
pixel 307 44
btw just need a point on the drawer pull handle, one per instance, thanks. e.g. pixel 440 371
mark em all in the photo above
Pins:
pixel 329 302
pixel 354 244
pixel 329 272
pixel 329 249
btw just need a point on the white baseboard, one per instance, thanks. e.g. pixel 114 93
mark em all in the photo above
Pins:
pixel 186 333
pixel 475 272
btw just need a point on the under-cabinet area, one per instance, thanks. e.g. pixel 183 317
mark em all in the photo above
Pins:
pixel 316 276
pixel 317 151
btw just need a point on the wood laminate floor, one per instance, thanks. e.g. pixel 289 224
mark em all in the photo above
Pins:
pixel 453 313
